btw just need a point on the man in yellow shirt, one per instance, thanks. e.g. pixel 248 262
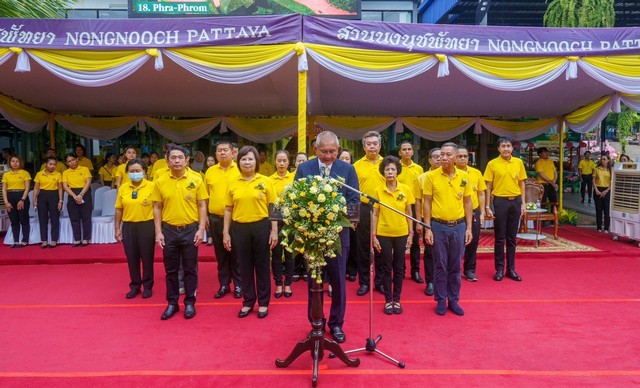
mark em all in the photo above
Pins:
pixel 60 167
pixel 477 202
pixel 448 210
pixel 547 175
pixel 217 180
pixel 180 218
pixel 369 178
pixel 408 176
pixel 585 172
pixel 266 168
pixel 434 163
pixel 505 176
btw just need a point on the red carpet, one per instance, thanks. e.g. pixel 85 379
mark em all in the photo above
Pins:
pixel 572 322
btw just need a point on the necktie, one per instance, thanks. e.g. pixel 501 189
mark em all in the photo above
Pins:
pixel 324 171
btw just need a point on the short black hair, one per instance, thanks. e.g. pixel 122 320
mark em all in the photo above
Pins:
pixel 137 161
pixel 541 150
pixel 390 160
pixel 505 139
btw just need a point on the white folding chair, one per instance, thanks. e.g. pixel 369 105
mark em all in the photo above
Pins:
pixel 103 227
pixel 97 201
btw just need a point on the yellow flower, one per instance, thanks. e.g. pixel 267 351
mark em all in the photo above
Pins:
pixel 292 196
pixel 321 198
pixel 328 188
pixel 303 194
pixel 334 194
pixel 313 189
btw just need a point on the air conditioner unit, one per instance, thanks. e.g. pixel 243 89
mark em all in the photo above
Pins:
pixel 625 201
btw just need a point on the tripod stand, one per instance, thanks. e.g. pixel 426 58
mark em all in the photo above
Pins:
pixel 371 343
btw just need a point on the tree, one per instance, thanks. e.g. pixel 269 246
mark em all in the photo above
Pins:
pixel 580 13
pixel 627 120
pixel 53 9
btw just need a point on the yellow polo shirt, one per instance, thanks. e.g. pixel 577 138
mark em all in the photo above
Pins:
pixel 602 177
pixel 180 197
pixel 505 175
pixel 85 162
pixel 160 165
pixel 390 223
pixel 267 169
pixel 139 209
pixel 60 167
pixel 546 167
pixel 250 199
pixel 16 180
pixel 76 179
pixel 121 172
pixel 369 177
pixel 477 184
pixel 418 185
pixel 447 194
pixel 409 175
pixel 108 174
pixel 586 166
pixel 48 181
pixel 280 182
pixel 217 181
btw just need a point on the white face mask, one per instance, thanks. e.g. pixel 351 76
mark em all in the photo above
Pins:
pixel 136 176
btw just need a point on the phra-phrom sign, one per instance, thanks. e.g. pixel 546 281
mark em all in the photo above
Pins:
pixel 180 8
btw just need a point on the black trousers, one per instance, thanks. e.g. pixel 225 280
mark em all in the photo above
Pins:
pixel 352 259
pixel 227 261
pixel 393 259
pixel 470 251
pixel 19 218
pixel 550 193
pixel 414 251
pixel 586 183
pixel 505 226
pixel 335 272
pixel 138 239
pixel 48 210
pixel 178 244
pixel 80 217
pixel 251 242
pixel 363 236
pixel 277 262
pixel 602 206
pixel 428 262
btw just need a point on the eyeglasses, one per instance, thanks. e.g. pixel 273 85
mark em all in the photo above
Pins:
pixel 134 194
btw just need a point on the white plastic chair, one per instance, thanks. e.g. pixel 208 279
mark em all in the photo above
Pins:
pixel 93 187
pixel 97 201
pixel 102 227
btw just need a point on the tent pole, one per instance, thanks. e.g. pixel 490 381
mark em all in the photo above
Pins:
pixel 52 131
pixel 302 111
pixel 561 127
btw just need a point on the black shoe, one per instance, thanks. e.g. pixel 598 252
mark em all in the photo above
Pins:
pixel 237 292
pixel 397 308
pixel 296 278
pixel 243 313
pixel 133 293
pixel 388 308
pixel 379 288
pixel 288 294
pixel 263 314
pixel 455 308
pixel 352 278
pixel 498 276
pixel 189 311
pixel 470 276
pixel 171 310
pixel 511 274
pixel 338 334
pixel 224 290
pixel 441 308
pixel 363 290
pixel 428 290
pixel 278 294
pixel 417 278
pixel 147 293
pixel 582 200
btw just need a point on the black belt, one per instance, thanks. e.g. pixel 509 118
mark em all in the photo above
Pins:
pixel 448 223
pixel 179 227
pixel 15 191
pixel 510 198
pixel 215 216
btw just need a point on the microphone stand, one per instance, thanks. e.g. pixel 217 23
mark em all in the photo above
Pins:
pixel 371 343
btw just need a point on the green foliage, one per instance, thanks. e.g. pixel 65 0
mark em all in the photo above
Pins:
pixel 347 5
pixel 53 9
pixel 627 120
pixel 568 217
pixel 580 13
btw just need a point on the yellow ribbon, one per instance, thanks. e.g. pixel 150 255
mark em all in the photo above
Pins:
pixel 16 50
pixel 153 52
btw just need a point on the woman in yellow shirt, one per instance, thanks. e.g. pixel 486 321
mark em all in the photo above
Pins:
pixel 392 231
pixel 76 181
pixel 134 208
pixel 281 178
pixel 121 175
pixel 602 192
pixel 246 217
pixel 47 200
pixel 108 171
pixel 15 193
